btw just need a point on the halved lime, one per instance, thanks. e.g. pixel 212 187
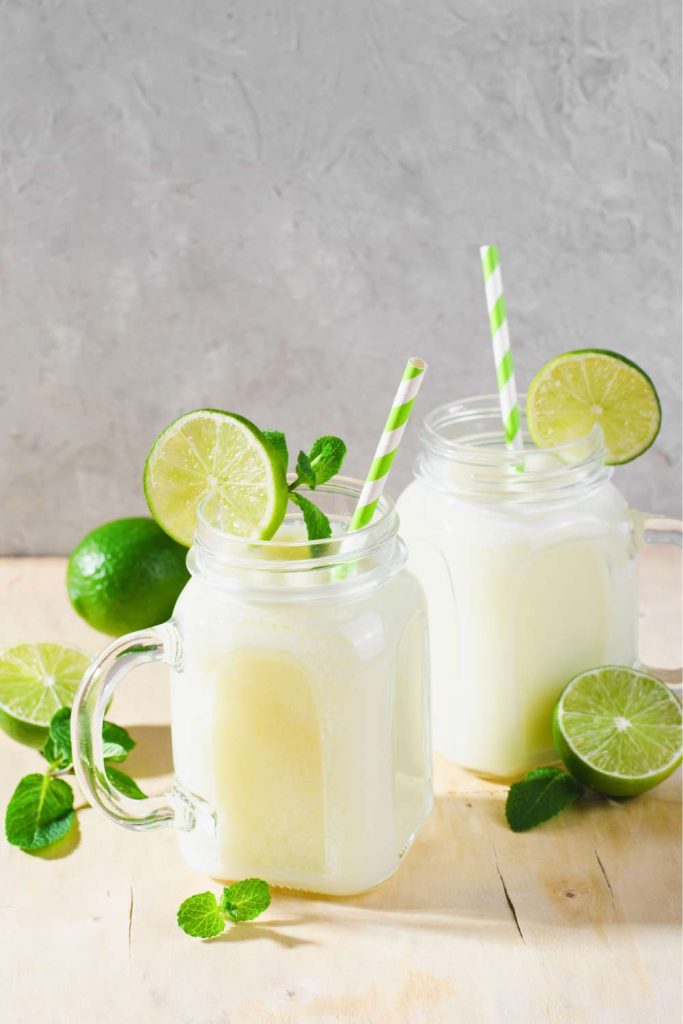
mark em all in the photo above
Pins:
pixel 574 391
pixel 219 454
pixel 618 730
pixel 35 681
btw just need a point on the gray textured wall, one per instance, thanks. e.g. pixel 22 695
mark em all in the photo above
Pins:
pixel 267 206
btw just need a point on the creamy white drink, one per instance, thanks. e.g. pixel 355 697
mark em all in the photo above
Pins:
pixel 298 658
pixel 528 567
pixel 299 709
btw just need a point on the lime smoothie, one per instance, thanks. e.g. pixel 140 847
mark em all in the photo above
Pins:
pixel 299 708
pixel 527 563
pixel 298 655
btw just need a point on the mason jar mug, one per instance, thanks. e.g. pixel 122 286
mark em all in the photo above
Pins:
pixel 528 564
pixel 299 705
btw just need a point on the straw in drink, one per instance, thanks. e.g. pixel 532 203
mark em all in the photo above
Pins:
pixel 388 444
pixel 500 335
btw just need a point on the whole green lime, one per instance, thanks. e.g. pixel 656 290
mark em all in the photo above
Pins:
pixel 126 575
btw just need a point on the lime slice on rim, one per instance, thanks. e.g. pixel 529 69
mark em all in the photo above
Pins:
pixel 574 391
pixel 35 681
pixel 211 453
pixel 618 730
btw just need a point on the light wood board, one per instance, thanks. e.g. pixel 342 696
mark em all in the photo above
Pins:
pixel 578 921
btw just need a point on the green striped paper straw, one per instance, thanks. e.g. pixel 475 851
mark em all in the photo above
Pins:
pixel 500 335
pixel 388 443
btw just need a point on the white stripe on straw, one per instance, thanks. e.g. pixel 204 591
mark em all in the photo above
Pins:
pixel 500 336
pixel 388 443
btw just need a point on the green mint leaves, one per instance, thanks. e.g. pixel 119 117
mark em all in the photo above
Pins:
pixel 317 524
pixel 305 472
pixel 326 458
pixel 40 811
pixel 203 916
pixel 124 783
pixel 540 795
pixel 117 742
pixel 323 461
pixel 245 900
pixel 57 747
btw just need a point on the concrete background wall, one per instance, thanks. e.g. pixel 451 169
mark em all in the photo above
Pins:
pixel 267 206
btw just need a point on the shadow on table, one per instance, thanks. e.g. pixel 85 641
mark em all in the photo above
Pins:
pixel 63 847
pixel 600 863
pixel 251 931
pixel 152 754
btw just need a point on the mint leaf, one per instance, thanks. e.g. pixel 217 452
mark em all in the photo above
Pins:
pixel 278 442
pixel 326 457
pixel 317 524
pixel 245 900
pixel 541 794
pixel 124 783
pixel 200 916
pixel 57 747
pixel 117 742
pixel 39 813
pixel 305 471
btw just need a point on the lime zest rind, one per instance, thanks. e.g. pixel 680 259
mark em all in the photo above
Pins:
pixel 613 782
pixel 274 475
pixel 536 433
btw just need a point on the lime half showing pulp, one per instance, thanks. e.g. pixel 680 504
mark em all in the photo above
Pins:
pixel 618 730
pixel 579 389
pixel 216 454
pixel 36 680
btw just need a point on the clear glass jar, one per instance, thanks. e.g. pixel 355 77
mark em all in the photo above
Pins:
pixel 527 561
pixel 299 686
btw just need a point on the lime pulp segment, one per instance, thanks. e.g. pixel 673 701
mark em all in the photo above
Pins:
pixel 36 680
pixel 618 730
pixel 219 455
pixel 574 391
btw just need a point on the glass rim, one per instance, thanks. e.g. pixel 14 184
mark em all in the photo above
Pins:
pixel 221 547
pixel 480 406
pixel 483 469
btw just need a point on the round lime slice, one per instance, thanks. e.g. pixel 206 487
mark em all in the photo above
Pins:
pixel 35 681
pixel 576 390
pixel 618 730
pixel 208 453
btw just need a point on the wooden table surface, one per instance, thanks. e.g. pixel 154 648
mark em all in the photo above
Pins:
pixel 578 921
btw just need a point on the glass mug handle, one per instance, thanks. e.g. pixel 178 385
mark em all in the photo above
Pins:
pixel 174 807
pixel 662 530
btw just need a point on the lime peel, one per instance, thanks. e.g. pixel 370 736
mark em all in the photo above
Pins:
pixel 209 453
pixel 36 680
pixel 577 390
pixel 618 730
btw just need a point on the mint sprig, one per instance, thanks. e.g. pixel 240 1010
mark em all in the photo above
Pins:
pixel 243 901
pixel 117 742
pixel 540 795
pixel 124 783
pixel 305 472
pixel 317 524
pixel 203 916
pixel 322 462
pixel 57 747
pixel 326 456
pixel 40 811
